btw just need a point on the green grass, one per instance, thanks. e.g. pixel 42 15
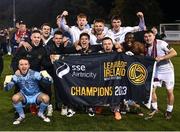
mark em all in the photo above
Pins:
pixel 81 121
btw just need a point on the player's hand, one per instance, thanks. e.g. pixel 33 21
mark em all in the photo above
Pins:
pixel 54 57
pixel 18 72
pixel 140 14
pixel 65 13
pixel 26 45
pixel 65 41
pixel 49 79
pixel 160 58
pixel 78 48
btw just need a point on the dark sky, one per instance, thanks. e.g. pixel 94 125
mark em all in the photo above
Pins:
pixel 170 10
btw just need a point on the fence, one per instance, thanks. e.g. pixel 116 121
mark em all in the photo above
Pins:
pixel 171 31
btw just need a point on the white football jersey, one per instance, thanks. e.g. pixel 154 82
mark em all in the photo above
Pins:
pixel 162 49
pixel 120 35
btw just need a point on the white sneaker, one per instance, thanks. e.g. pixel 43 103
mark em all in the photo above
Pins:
pixel 9 53
pixel 42 116
pixel 18 120
pixel 64 110
pixel 153 112
pixel 49 110
pixel 70 113
pixel 91 112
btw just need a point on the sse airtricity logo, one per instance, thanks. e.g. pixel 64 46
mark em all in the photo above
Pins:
pixel 62 70
pixel 137 73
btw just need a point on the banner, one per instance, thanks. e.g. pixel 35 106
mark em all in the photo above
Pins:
pixel 103 79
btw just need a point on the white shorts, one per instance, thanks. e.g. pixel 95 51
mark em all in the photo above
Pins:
pixel 166 77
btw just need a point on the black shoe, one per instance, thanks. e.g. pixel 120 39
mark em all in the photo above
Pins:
pixel 168 115
pixel 91 112
pixel 70 113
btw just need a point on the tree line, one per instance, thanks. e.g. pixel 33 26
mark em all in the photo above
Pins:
pixel 36 12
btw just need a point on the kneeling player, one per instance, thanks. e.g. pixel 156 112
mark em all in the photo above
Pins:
pixel 27 80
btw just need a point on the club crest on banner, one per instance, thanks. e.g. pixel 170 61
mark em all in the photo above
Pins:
pixel 137 74
pixel 62 70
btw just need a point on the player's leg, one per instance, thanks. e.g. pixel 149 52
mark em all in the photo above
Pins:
pixel 154 99
pixel 157 83
pixel 170 97
pixel 46 88
pixel 43 100
pixel 17 100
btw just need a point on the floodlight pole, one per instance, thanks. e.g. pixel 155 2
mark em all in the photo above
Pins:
pixel 14 13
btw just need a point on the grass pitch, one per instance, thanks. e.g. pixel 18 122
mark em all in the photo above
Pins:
pixel 103 122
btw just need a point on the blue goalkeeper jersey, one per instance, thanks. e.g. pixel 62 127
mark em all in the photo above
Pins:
pixel 28 83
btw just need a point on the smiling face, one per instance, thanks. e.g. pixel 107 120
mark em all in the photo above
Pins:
pixel 84 42
pixel 98 27
pixel 23 66
pixel 58 39
pixel 81 21
pixel 107 45
pixel 46 31
pixel 149 38
pixel 36 38
pixel 129 39
pixel 116 24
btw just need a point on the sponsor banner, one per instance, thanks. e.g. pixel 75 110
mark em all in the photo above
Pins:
pixel 101 79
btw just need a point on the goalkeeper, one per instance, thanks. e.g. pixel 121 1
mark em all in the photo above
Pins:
pixel 29 93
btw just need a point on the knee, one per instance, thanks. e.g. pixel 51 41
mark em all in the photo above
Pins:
pixel 170 92
pixel 15 98
pixel 45 98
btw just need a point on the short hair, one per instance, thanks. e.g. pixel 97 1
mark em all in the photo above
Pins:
pixel 115 17
pixel 107 38
pixel 148 31
pixel 45 24
pixel 99 20
pixel 58 32
pixel 36 31
pixel 129 33
pixel 23 58
pixel 84 34
pixel 81 15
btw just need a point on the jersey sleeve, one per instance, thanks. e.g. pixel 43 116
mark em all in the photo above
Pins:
pixel 165 47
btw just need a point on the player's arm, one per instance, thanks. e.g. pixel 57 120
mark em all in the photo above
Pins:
pixel 26 45
pixel 62 22
pixel 9 82
pixel 141 25
pixel 43 76
pixel 172 53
